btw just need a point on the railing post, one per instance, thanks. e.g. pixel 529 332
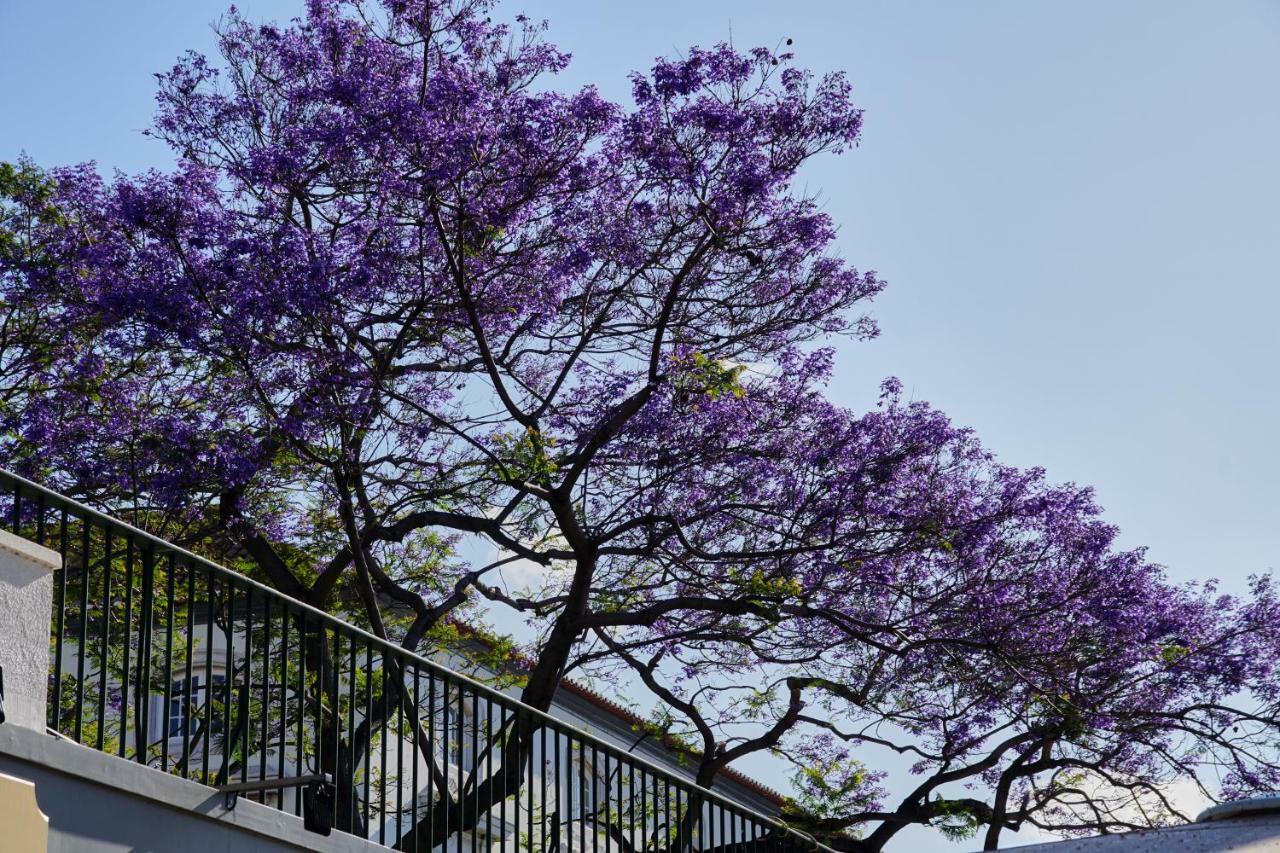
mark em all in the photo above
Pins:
pixel 26 604
pixel 142 690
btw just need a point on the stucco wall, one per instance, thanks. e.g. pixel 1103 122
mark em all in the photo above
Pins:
pixel 26 600
pixel 99 803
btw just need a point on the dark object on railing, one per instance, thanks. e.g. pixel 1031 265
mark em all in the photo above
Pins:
pixel 231 793
pixel 317 807
pixel 317 797
pixel 167 659
pixel 1 694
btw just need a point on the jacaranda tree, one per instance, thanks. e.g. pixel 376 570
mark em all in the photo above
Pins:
pixel 400 290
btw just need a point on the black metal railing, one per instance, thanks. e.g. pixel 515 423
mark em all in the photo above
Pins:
pixel 165 658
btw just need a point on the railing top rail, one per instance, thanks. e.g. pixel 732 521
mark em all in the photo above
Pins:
pixel 28 488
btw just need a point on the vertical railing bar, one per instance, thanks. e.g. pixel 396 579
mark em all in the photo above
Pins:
pixel 335 706
pixel 170 599
pixel 142 710
pixel 662 812
pixel 588 782
pixel 608 812
pixel 368 720
pixel 302 705
pixel 576 788
pixel 317 666
pixel 581 776
pixel 189 707
pixel 431 742
pixel 416 722
pixel 399 749
pixel 228 685
pixel 127 643
pixel 686 822
pixel 282 760
pixel 675 820
pixel 671 808
pixel 351 738
pixel 644 810
pixel 584 803
pixel 475 770
pixel 60 616
pixel 659 816
pixel 488 764
pixel 666 811
pixel 265 694
pixel 597 806
pixel 502 767
pixel 542 731
pixel 563 811
pixel 208 676
pixel 461 762
pixel 106 632
pixel 83 648
pixel 382 753
pixel 246 690
pixel 630 770
pixel 446 795
pixel 528 796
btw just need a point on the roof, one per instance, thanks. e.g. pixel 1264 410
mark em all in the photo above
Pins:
pixel 617 710
pixel 611 707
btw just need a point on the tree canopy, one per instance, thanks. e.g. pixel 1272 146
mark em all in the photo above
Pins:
pixel 401 290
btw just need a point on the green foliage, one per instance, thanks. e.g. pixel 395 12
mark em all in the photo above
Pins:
pixel 773 587
pixel 491 658
pixel 697 375
pixel 955 819
pixel 832 788
pixel 481 239
pixel 1059 714
pixel 1173 651
pixel 25 193
pixel 526 456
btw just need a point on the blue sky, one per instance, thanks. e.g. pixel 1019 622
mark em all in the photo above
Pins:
pixel 1075 205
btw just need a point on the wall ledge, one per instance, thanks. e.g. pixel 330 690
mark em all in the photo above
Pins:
pixel 45 558
pixel 165 790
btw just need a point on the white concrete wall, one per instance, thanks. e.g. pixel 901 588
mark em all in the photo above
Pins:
pixel 26 603
pixel 98 803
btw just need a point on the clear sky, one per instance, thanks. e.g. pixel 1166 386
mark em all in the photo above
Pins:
pixel 1075 205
